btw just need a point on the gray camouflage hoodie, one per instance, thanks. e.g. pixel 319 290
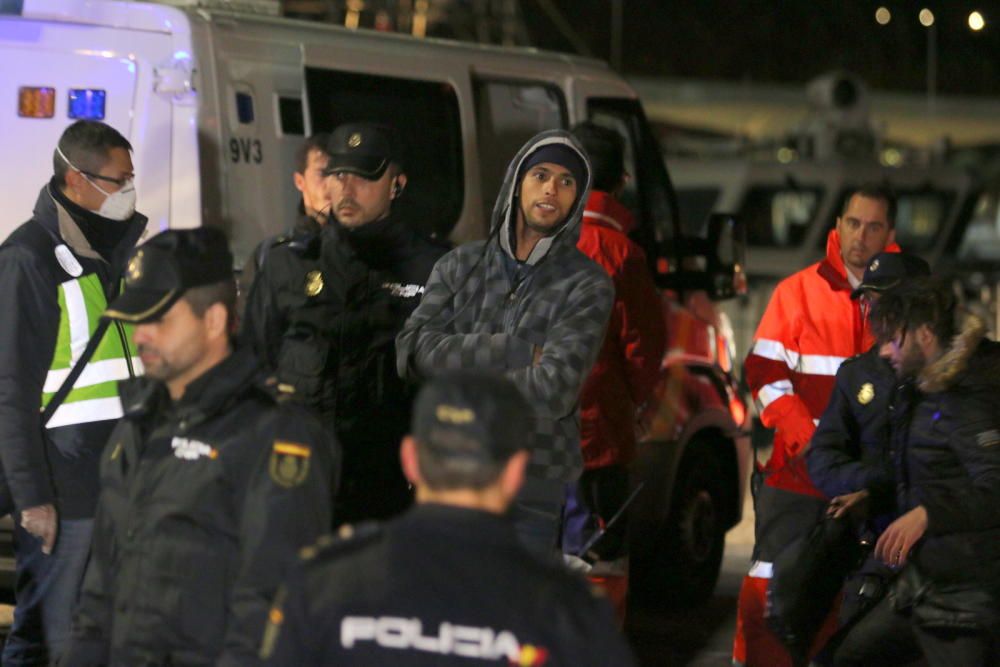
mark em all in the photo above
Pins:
pixel 473 316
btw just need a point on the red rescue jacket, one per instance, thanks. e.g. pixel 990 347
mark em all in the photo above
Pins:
pixel 629 362
pixel 810 326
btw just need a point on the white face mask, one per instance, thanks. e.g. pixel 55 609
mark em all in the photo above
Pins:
pixel 117 205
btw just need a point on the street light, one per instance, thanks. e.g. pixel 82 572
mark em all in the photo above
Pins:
pixel 883 15
pixel 927 20
pixel 976 22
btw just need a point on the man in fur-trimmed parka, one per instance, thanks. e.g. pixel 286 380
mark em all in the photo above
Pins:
pixel 945 602
pixel 527 304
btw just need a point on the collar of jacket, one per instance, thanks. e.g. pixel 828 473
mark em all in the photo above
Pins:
pixel 453 523
pixel 832 268
pixel 208 395
pixel 946 370
pixel 377 238
pixel 306 224
pixel 504 215
pixel 59 220
pixel 605 210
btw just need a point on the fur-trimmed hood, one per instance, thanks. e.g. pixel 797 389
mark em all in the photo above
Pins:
pixel 953 366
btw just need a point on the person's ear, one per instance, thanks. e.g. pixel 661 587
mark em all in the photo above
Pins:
pixel 410 460
pixel 398 185
pixel 217 320
pixel 75 183
pixel 512 476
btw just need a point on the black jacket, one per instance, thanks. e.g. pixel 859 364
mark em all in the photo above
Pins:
pixel 299 236
pixel 438 586
pixel 325 310
pixel 204 503
pixel 58 465
pixel 850 449
pixel 946 437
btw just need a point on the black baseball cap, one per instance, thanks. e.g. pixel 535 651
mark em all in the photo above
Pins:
pixel 472 415
pixel 365 149
pixel 889 269
pixel 167 265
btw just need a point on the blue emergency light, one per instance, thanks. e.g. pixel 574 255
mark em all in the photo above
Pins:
pixel 86 104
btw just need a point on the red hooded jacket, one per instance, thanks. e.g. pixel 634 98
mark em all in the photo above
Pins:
pixel 629 362
pixel 810 326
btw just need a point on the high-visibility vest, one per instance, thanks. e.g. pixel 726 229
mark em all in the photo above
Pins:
pixel 94 396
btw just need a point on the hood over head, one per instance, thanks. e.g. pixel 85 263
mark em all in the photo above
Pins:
pixel 505 209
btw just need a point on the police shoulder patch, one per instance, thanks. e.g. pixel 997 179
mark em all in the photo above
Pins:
pixel 289 463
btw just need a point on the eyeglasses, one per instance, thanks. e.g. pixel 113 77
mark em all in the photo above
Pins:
pixel 120 182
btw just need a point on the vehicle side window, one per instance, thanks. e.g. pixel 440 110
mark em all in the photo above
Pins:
pixel 648 193
pixel 292 122
pixel 696 204
pixel 779 217
pixel 508 113
pixel 426 116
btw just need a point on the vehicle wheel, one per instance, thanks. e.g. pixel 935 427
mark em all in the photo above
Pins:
pixel 675 562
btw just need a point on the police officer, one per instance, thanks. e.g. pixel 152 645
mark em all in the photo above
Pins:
pixel 310 180
pixel 848 453
pixel 447 583
pixel 849 457
pixel 210 483
pixel 335 346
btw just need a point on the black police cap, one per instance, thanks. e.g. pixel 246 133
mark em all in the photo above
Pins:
pixel 167 265
pixel 365 149
pixel 472 415
pixel 888 269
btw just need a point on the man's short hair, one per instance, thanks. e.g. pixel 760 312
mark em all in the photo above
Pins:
pixel 316 142
pixel 444 473
pixel 606 150
pixel 87 144
pixel 203 297
pixel 922 301
pixel 878 191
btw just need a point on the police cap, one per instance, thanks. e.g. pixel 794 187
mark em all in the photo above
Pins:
pixel 365 149
pixel 472 415
pixel 888 269
pixel 167 265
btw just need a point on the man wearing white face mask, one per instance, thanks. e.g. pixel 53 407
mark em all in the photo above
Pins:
pixel 58 271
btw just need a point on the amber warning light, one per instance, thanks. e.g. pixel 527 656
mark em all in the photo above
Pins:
pixel 36 102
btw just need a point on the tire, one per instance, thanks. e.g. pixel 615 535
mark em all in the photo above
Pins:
pixel 675 563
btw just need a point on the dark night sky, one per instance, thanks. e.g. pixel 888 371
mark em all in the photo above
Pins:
pixel 788 41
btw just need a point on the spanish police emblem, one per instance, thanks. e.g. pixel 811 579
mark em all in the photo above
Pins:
pixel 874 266
pixel 135 267
pixel 314 283
pixel 289 465
pixel 866 394
pixel 354 140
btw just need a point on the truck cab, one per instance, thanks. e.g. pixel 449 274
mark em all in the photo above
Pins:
pixel 216 102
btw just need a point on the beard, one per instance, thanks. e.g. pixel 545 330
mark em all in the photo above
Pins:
pixel 911 363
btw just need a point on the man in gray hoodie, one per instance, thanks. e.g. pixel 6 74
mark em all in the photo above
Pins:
pixel 527 304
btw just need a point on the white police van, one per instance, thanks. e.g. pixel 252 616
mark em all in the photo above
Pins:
pixel 216 102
